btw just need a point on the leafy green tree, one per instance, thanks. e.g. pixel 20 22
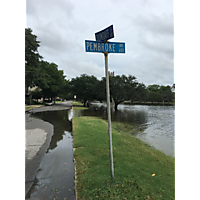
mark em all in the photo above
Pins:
pixel 84 87
pixel 166 93
pixel 100 90
pixel 155 96
pixel 32 58
pixel 141 92
pixel 157 93
pixel 154 88
pixel 36 94
pixel 65 92
pixel 51 80
pixel 130 86
pixel 117 90
pixel 122 88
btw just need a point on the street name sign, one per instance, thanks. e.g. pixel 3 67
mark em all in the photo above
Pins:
pixel 101 45
pixel 105 34
pixel 104 47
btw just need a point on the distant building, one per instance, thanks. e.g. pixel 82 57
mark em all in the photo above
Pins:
pixel 173 88
pixel 110 73
pixel 32 88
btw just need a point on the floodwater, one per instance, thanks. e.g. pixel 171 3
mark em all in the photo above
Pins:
pixel 152 124
pixel 55 177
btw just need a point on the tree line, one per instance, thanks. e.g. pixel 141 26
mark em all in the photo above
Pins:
pixel 52 83
pixel 122 88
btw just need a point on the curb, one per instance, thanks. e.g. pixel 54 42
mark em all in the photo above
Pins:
pixel 32 108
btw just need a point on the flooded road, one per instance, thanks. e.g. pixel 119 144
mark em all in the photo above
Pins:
pixel 152 124
pixel 55 177
pixel 159 126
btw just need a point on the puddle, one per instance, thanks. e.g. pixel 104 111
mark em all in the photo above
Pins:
pixel 55 177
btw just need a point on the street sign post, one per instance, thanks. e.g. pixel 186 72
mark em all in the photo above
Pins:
pixel 105 34
pixel 105 47
pixel 109 115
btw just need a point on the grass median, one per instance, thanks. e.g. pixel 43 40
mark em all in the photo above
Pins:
pixel 140 171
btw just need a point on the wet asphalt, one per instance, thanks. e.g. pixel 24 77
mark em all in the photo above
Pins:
pixel 49 172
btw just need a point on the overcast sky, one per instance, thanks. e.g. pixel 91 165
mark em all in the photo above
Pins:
pixel 146 27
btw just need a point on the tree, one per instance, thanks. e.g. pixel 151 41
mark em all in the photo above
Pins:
pixel 100 90
pixel 141 92
pixel 154 88
pixel 36 94
pixel 65 92
pixel 166 93
pixel 122 88
pixel 160 93
pixel 84 87
pixel 130 86
pixel 117 90
pixel 32 58
pixel 51 80
pixel 154 96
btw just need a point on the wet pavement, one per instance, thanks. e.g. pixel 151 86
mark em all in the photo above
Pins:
pixel 49 169
pixel 38 137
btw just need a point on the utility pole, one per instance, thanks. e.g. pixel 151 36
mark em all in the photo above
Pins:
pixel 109 115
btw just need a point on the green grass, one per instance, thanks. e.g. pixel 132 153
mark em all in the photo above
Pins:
pixel 77 103
pixel 79 108
pixel 134 164
pixel 31 106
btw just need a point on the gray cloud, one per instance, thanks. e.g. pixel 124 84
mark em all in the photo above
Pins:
pixel 146 27
pixel 162 24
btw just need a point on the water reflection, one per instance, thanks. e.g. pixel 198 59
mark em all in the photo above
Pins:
pixel 122 115
pixel 61 122
pixel 152 124
pixel 57 166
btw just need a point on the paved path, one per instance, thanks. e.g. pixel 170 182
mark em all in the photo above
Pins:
pixel 60 106
pixel 38 137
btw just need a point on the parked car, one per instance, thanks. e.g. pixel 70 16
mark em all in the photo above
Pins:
pixel 48 103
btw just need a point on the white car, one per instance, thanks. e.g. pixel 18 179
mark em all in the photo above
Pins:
pixel 48 103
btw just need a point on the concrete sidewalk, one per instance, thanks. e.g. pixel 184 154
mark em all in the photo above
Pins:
pixel 38 138
pixel 59 106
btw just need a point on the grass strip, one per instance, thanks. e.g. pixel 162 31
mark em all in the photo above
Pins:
pixel 140 171
pixel 31 107
pixel 77 103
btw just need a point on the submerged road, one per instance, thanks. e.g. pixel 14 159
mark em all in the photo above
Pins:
pixel 49 160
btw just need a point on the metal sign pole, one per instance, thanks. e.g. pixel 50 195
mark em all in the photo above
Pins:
pixel 109 115
pixel 101 45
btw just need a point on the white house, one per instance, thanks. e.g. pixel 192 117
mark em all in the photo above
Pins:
pixel 173 88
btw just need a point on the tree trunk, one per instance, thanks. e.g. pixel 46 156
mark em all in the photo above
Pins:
pixel 85 103
pixel 116 104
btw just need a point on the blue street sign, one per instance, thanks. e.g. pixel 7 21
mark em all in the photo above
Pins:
pixel 100 47
pixel 105 34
